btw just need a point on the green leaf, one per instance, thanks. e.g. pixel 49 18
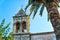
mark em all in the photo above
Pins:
pixel 48 16
pixel 41 10
pixel 36 9
pixel 27 7
pixel 2 23
pixel 32 8
pixel 29 3
pixel 6 32
pixel 0 28
pixel 6 27
pixel 0 33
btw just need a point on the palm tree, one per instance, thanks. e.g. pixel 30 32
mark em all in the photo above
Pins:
pixel 52 9
pixel 4 30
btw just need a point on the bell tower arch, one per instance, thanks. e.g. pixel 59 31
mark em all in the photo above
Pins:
pixel 17 26
pixel 21 22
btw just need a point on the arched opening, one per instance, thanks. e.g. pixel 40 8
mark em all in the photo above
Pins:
pixel 17 26
pixel 23 26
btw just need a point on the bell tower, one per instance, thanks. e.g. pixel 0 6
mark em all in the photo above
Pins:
pixel 21 22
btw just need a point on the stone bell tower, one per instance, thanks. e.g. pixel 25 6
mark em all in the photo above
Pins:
pixel 21 22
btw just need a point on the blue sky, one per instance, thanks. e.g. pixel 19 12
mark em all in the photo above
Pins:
pixel 9 8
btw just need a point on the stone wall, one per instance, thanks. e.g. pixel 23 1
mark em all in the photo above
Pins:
pixel 35 36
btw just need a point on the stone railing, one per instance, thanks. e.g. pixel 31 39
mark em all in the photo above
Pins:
pixel 35 36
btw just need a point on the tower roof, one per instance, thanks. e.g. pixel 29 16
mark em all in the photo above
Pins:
pixel 21 13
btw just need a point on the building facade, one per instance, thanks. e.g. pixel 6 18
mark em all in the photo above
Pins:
pixel 21 29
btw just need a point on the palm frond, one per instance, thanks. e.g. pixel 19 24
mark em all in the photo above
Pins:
pixel 41 10
pixel 3 29
pixel 29 3
pixel 35 6
pixel 32 8
pixel 6 29
pixel 57 3
pixel 27 7
pixel 48 16
pixel 7 25
pixel 2 23
pixel 36 9
pixel 0 27
pixel 6 32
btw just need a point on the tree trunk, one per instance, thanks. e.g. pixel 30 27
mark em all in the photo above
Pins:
pixel 54 17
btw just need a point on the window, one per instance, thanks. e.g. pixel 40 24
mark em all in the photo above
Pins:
pixel 17 26
pixel 23 26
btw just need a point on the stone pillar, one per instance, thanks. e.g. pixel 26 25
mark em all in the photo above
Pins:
pixel 28 24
